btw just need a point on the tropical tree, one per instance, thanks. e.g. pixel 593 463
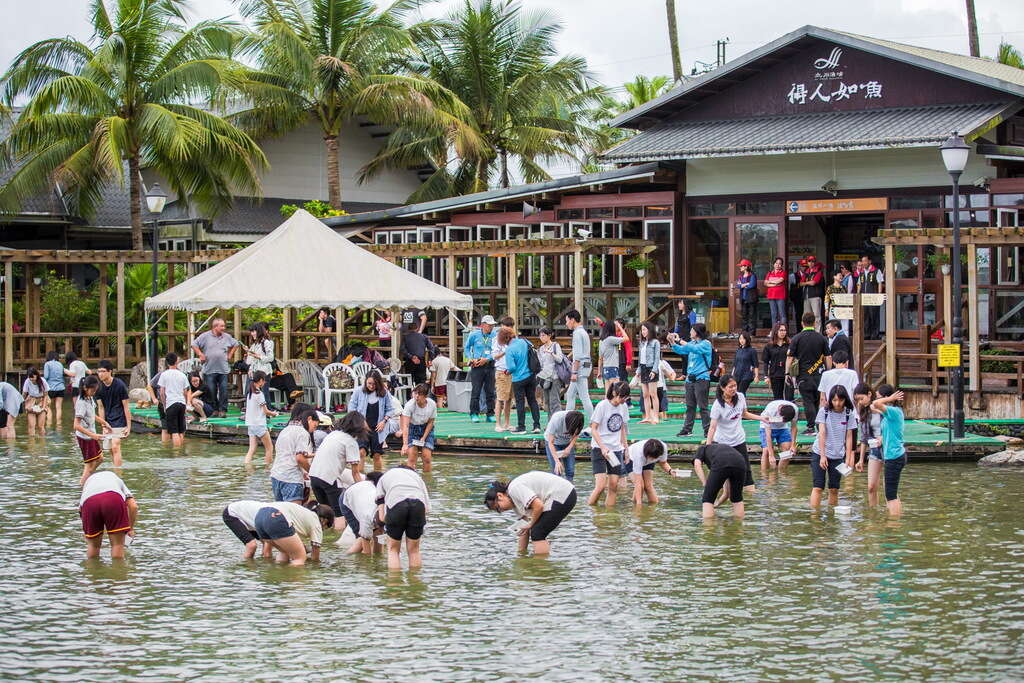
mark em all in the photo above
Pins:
pixel 127 99
pixel 332 61
pixel 642 90
pixel 1010 55
pixel 602 137
pixel 673 39
pixel 501 66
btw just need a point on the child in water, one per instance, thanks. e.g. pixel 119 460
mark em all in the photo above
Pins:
pixel 894 455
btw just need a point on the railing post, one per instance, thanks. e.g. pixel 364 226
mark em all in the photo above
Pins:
pixel 890 315
pixel 120 315
pixel 8 317
pixel 973 327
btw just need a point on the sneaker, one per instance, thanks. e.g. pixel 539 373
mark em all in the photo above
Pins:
pixel 684 432
pixel 536 430
pixel 474 418
pixel 518 430
pixel 810 431
pixel 490 418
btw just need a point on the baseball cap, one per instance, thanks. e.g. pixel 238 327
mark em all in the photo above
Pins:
pixel 488 320
pixel 746 262
pixel 811 258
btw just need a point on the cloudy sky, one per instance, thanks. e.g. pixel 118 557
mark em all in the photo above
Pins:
pixel 623 38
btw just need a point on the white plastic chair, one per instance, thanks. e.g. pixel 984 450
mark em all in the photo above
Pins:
pixel 360 370
pixel 328 391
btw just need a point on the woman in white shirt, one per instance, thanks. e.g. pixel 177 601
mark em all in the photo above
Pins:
pixel 359 513
pixel 418 427
pixel 260 358
pixel 37 402
pixel 608 442
pixel 287 526
pixel 727 415
pixel 403 503
pixel 240 517
pixel 542 499
pixel 337 463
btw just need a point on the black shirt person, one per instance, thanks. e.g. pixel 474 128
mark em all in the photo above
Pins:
pixel 808 350
pixel 727 467
pixel 838 341
pixel 416 347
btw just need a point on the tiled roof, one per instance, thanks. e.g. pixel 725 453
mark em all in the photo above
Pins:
pixel 819 132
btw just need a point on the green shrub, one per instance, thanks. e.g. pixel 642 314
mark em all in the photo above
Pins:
pixel 65 307
pixel 998 365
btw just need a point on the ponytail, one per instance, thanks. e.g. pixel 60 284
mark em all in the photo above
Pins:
pixel 258 376
pixel 491 496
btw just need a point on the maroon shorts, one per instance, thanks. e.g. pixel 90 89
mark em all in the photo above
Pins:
pixel 441 390
pixel 106 511
pixel 90 449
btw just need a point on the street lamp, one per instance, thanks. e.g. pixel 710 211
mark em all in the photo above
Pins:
pixel 155 200
pixel 955 152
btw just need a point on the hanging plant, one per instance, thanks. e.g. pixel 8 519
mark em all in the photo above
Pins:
pixel 640 262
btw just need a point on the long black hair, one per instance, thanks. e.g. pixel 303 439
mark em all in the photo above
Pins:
pixel 840 391
pixel 491 496
pixel 864 412
pixel 262 333
pixel 720 393
pixel 608 329
pixel 36 377
pixel 353 424
pixel 379 387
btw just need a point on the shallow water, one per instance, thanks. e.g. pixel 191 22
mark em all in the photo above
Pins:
pixel 653 595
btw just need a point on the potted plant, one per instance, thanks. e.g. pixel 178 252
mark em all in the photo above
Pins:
pixel 640 263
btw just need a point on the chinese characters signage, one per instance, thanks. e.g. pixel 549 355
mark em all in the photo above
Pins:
pixel 829 83
pixel 837 205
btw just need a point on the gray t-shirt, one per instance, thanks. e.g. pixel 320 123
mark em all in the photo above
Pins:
pixel 581 346
pixel 556 428
pixel 836 426
pixel 216 350
pixel 85 411
pixel 608 350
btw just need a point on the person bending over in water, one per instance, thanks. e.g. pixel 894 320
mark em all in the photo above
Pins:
pixel 728 470
pixel 287 527
pixel 778 429
pixel 608 442
pixel 240 517
pixel 106 505
pixel 359 510
pixel 641 458
pixel 560 437
pixel 542 499
pixel 336 463
pixel 403 504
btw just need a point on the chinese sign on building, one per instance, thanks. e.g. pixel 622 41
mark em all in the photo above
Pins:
pixel 829 83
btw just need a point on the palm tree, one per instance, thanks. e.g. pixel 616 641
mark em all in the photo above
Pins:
pixel 673 40
pixel 500 65
pixel 1010 55
pixel 128 99
pixel 642 90
pixel 331 61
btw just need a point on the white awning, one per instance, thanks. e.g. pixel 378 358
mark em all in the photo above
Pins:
pixel 303 264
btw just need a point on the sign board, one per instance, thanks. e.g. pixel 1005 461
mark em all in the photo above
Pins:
pixel 497 255
pixel 842 312
pixel 619 251
pixel 872 299
pixel 949 355
pixel 840 258
pixel 842 300
pixel 837 205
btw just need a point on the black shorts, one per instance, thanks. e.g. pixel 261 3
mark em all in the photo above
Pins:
pixel 56 393
pixel 550 519
pixel 647 374
pixel 662 400
pixel 3 418
pixel 893 469
pixel 599 465
pixel 742 450
pixel 735 474
pixel 326 493
pixel 407 518
pixel 818 474
pixel 175 415
pixel 238 528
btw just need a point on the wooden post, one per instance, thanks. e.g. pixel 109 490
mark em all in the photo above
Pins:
pixel 237 323
pixel 170 311
pixel 396 335
pixel 191 322
pixel 453 331
pixel 858 334
pixel 120 315
pixel 577 282
pixel 641 308
pixel 29 301
pixel 513 288
pixel 890 316
pixel 973 329
pixel 339 329
pixel 103 302
pixel 8 317
pixel 286 334
pixel 947 302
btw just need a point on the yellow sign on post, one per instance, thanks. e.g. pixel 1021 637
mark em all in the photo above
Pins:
pixel 949 355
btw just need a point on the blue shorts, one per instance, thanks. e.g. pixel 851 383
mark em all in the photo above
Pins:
pixel 779 436
pixel 286 490
pixel 271 524
pixel 610 373
pixel 256 430
pixel 875 454
pixel 416 433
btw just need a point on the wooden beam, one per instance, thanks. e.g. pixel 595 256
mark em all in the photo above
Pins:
pixel 97 256
pixel 890 315
pixel 29 299
pixel 120 315
pixel 973 328
pixel 577 282
pixel 9 317
pixel 286 334
pixel 513 287
pixel 947 301
pixel 858 334
pixel 453 325
pixel 104 286
pixel 237 323
pixel 641 303
pixel 170 312
pixel 562 245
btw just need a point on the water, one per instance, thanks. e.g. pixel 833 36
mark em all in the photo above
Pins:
pixel 654 595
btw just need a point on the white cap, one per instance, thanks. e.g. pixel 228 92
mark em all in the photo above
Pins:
pixel 488 320
pixel 323 418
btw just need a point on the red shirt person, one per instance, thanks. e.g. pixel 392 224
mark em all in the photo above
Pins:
pixel 775 288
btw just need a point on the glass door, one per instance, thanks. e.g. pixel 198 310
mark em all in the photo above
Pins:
pixel 759 241
pixel 916 292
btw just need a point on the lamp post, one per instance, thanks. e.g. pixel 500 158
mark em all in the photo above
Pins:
pixel 155 200
pixel 955 152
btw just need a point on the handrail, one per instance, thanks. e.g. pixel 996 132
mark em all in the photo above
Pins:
pixel 869 363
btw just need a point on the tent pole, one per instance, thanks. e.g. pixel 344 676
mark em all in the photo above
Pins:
pixel 453 331
pixel 191 316
pixel 339 329
pixel 238 323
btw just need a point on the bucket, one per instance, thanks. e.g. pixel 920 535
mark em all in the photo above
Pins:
pixel 459 392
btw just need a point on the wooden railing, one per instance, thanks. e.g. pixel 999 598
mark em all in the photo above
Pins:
pixel 925 366
pixel 868 366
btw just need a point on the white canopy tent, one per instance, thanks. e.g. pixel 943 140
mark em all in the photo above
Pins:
pixel 305 264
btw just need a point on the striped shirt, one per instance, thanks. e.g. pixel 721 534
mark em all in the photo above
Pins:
pixel 836 426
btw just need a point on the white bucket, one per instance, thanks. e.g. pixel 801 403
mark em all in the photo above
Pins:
pixel 843 469
pixel 682 474
pixel 842 509
pixel 785 455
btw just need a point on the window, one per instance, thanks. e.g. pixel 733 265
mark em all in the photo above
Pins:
pixel 629 212
pixel 760 209
pixel 464 266
pixel 600 213
pixel 1008 200
pixel 712 209
pixel 524 264
pixel 550 270
pixel 660 232
pixel 604 270
pixel 489 268
pixel 924 201
pixel 665 210
pixel 709 252
pixel 569 214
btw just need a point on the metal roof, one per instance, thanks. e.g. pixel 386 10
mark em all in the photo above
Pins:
pixel 499 195
pixel 817 132
pixel 973 69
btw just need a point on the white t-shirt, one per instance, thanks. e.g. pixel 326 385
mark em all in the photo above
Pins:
pixel 292 439
pixel 611 421
pixel 729 430
pixel 337 449
pixel 305 522
pixel 844 377
pixel 496 348
pixel 637 461
pixel 664 370
pixel 420 415
pixel 400 484
pixel 254 415
pixel 245 511
pixel 549 488
pixel 174 383
pixel 102 482
pixel 441 366
pixel 771 411
pixel 361 499
pixel 81 370
pixel 34 390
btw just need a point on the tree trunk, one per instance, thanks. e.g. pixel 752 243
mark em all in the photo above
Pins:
pixel 972 29
pixel 333 172
pixel 135 195
pixel 504 169
pixel 673 40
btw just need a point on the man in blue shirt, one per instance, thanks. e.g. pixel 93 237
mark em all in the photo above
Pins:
pixel 524 383
pixel 477 354
pixel 698 376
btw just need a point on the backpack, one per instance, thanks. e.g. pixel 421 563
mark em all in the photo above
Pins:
pixel 563 369
pixel 532 360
